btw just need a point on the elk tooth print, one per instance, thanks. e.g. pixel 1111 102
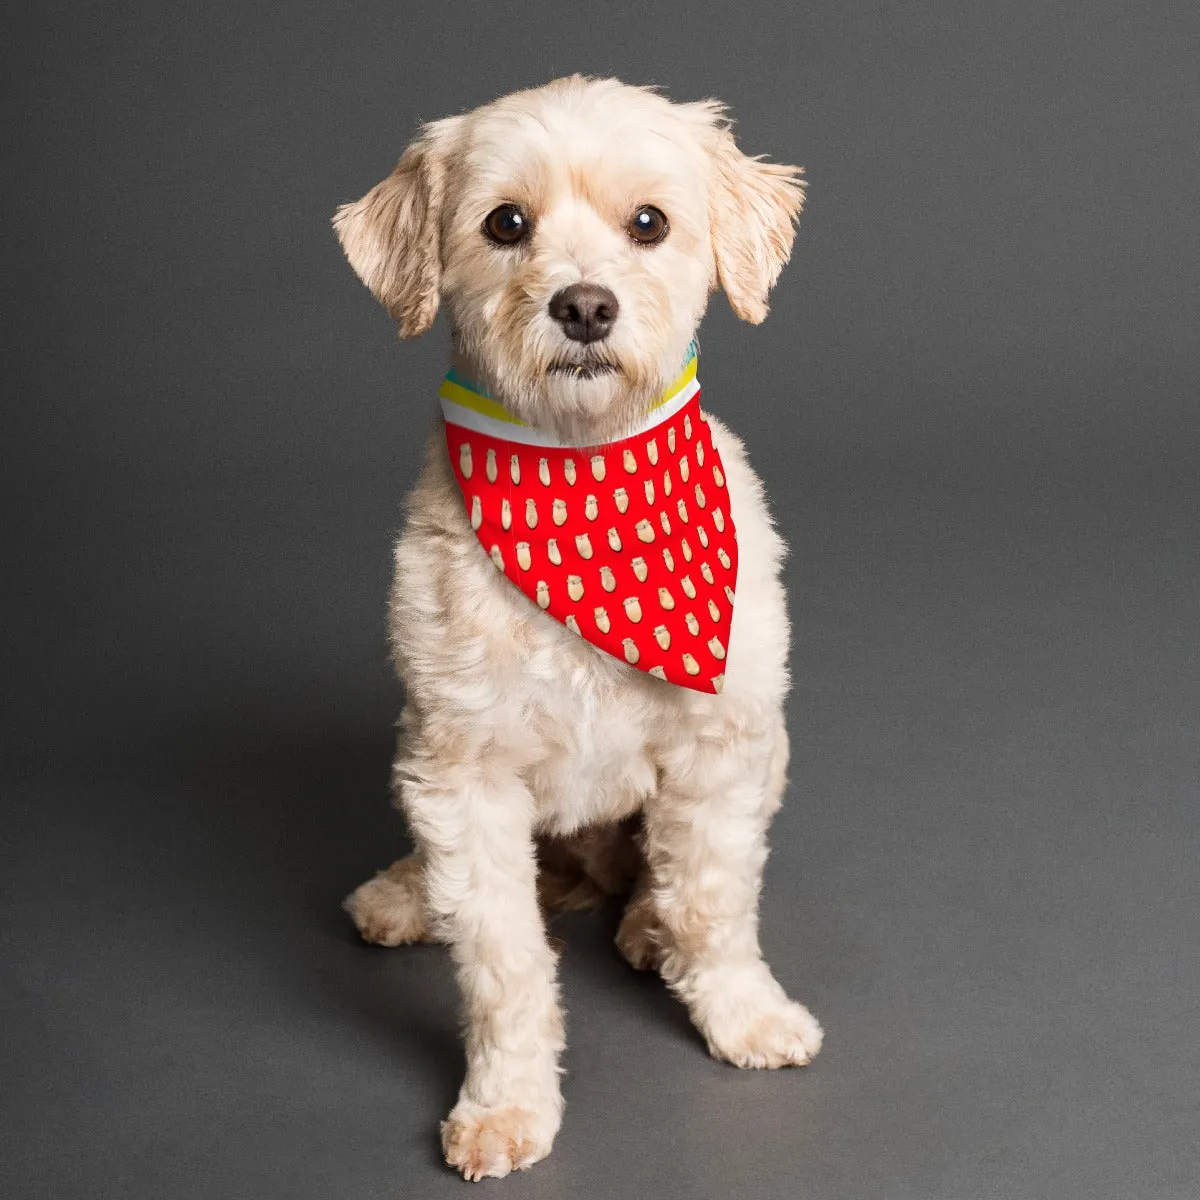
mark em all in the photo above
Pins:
pixel 543 594
pixel 665 600
pixel 649 486
pixel 682 507
pixel 591 509
pixel 505 514
pixel 729 593
pixel 662 636
pixel 713 610
pixel 668 559
pixel 658 673
pixel 667 484
pixel 692 624
pixel 719 520
pixel 583 544
pixel 687 427
pixel 633 609
pixel 514 469
pixel 497 557
pixel 524 560
pixel 621 500
pixel 553 553
pixel 666 523
pixel 689 588
pixel 574 587
pixel 718 477
pixel 572 624
pixel 544 472
pixel 531 513
pixel 718 682
pixel 464 460
pixel 476 513
pixel 685 470
pixel 614 540
pixel 725 562
pixel 687 550
pixel 491 466
pixel 702 534
pixel 569 471
pixel 645 531
pixel 699 454
pixel 599 469
pixel 560 512
pixel 690 665
pixel 639 569
pixel 671 439
pixel 700 500
pixel 717 650
pixel 602 622
pixel 631 651
pixel 652 452
pixel 608 581
pixel 706 571
pixel 630 462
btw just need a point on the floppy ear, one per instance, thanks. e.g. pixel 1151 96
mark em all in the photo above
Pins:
pixel 753 210
pixel 392 236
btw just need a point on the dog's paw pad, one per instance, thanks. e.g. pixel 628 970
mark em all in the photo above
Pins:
pixel 787 1035
pixel 492 1143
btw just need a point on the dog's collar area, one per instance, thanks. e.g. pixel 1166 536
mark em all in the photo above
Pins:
pixel 630 544
pixel 465 403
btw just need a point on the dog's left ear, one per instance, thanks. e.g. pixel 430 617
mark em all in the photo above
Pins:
pixel 753 210
pixel 392 236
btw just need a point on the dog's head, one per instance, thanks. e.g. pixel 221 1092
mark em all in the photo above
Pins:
pixel 575 232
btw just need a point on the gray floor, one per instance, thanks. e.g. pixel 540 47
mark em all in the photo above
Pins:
pixel 984 881
pixel 975 407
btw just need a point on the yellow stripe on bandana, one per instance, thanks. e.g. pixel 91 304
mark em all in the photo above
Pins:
pixel 461 392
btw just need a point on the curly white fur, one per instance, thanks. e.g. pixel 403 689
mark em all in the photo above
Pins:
pixel 514 727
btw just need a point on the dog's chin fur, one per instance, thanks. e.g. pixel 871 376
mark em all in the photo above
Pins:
pixel 582 399
pixel 587 410
pixel 515 727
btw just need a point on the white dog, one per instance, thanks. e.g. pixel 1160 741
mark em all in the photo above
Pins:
pixel 574 233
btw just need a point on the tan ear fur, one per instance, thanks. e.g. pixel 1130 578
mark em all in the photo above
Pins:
pixel 754 207
pixel 391 237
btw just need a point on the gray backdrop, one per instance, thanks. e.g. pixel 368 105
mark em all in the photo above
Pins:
pixel 975 408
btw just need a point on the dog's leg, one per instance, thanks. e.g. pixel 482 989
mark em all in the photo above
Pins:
pixel 706 846
pixel 638 936
pixel 389 910
pixel 474 822
pixel 584 869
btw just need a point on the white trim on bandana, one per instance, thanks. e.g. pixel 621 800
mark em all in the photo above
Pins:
pixel 464 404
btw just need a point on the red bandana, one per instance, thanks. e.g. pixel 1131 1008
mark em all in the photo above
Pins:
pixel 630 544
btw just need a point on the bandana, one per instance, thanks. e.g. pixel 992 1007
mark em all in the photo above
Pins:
pixel 630 544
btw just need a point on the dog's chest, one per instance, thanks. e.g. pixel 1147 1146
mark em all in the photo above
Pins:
pixel 596 766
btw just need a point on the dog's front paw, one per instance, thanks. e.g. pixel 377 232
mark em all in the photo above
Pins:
pixel 780 1033
pixel 483 1142
pixel 389 910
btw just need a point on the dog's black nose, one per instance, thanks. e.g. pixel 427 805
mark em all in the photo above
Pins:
pixel 586 311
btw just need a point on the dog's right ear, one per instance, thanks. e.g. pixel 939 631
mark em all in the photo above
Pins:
pixel 392 236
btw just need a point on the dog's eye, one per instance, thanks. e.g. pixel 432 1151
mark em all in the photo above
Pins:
pixel 506 225
pixel 648 225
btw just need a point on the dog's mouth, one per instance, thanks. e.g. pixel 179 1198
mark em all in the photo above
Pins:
pixel 589 369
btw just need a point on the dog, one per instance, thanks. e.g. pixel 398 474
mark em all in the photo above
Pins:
pixel 574 233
